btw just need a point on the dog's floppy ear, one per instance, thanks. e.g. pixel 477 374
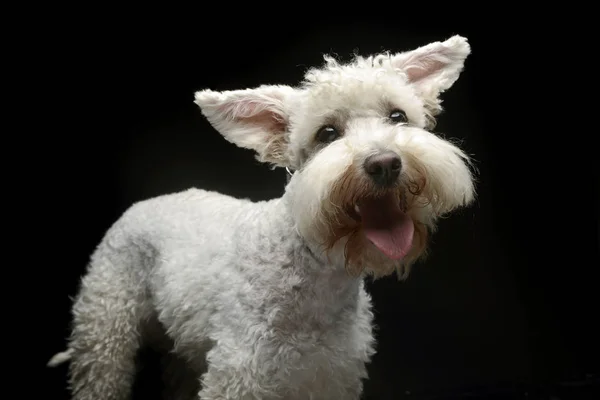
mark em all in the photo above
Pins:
pixel 255 119
pixel 434 68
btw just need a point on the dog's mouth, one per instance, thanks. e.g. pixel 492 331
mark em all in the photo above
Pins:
pixel 386 224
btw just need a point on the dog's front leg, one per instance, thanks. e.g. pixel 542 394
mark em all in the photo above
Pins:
pixel 235 375
pixel 277 373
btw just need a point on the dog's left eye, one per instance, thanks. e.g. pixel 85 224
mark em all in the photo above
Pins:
pixel 398 116
pixel 327 134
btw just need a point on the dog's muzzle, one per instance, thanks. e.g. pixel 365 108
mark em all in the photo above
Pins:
pixel 383 168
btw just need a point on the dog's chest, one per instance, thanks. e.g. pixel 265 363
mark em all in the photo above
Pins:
pixel 311 302
pixel 317 312
pixel 321 331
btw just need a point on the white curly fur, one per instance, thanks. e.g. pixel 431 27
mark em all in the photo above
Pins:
pixel 244 293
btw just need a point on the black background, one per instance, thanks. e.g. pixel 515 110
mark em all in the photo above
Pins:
pixel 508 296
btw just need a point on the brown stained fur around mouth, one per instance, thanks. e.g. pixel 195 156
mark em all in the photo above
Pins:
pixel 341 222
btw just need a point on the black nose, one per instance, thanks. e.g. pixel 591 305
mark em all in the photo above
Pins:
pixel 383 168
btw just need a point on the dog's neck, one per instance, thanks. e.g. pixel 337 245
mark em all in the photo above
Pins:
pixel 280 239
pixel 278 221
pixel 306 282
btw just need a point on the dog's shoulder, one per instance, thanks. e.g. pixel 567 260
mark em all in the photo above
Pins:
pixel 178 204
pixel 184 214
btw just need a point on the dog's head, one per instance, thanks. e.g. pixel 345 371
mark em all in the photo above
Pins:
pixel 370 180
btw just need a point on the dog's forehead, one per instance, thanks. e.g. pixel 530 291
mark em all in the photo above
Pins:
pixel 336 94
pixel 359 68
pixel 359 89
pixel 362 83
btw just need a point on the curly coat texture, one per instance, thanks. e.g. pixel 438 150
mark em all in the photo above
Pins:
pixel 271 313
pixel 265 300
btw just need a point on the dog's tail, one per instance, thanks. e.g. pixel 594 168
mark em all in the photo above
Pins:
pixel 60 358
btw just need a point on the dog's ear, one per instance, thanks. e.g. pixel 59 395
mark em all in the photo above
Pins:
pixel 434 68
pixel 255 119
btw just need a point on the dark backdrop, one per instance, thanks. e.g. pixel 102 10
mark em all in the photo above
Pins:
pixel 508 296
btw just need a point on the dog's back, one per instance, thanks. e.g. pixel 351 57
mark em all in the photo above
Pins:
pixel 128 284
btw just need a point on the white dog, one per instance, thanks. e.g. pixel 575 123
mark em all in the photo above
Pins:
pixel 265 300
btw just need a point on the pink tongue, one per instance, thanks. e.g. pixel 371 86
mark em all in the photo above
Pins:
pixel 387 227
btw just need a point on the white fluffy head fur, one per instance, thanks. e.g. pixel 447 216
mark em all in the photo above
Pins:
pixel 326 128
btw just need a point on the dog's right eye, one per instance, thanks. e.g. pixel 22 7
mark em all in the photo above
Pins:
pixel 327 134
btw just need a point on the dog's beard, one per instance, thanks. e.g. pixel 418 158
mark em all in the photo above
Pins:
pixel 376 229
pixel 368 228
